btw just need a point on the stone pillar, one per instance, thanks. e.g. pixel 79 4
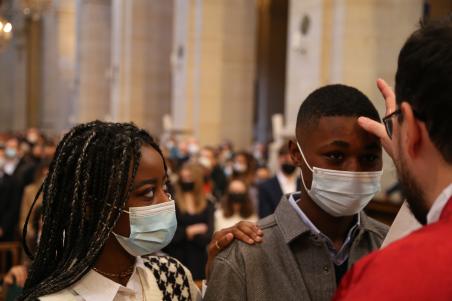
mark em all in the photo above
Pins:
pixel 59 42
pixel 304 54
pixel 142 34
pixel 13 66
pixel 94 23
pixel 220 62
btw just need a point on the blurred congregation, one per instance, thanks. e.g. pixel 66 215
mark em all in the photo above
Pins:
pixel 214 187
pixel 217 84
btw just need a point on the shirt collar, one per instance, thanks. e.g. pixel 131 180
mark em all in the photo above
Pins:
pixel 96 287
pixel 288 220
pixel 292 225
pixel 338 256
pixel 295 198
pixel 435 211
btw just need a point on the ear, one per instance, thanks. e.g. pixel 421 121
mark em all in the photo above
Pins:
pixel 411 131
pixel 295 153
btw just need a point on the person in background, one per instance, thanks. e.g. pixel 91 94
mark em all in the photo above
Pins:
pixel 14 280
pixel 285 181
pixel 183 154
pixel 29 195
pixel 17 164
pixel 244 167
pixel 49 150
pixel 235 206
pixel 9 207
pixel 195 217
pixel 193 146
pixel 215 176
pixel 225 152
pixel 260 153
pixel 262 174
pixel 37 152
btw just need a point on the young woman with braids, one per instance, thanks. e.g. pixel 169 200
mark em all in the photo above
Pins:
pixel 105 209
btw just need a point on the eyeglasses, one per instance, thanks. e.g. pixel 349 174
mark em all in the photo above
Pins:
pixel 389 124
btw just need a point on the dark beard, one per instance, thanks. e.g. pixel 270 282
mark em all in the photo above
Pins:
pixel 413 194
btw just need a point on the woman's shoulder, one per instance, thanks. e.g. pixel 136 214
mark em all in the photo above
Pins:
pixel 171 276
pixel 165 264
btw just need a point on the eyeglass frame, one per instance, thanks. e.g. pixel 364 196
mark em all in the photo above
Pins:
pixel 389 126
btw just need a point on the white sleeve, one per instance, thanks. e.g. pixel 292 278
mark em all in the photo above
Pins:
pixel 404 224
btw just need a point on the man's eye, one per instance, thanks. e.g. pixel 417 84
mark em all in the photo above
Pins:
pixel 370 158
pixel 335 156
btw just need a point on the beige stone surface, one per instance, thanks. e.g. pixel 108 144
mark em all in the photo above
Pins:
pixel 142 94
pixel 94 27
pixel 220 81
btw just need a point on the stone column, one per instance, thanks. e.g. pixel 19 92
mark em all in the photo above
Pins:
pixel 141 45
pixel 304 54
pixel 220 62
pixel 94 23
pixel 13 66
pixel 59 42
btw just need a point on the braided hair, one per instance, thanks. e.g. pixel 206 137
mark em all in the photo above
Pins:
pixel 88 177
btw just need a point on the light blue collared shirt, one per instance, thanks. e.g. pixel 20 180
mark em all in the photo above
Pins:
pixel 338 257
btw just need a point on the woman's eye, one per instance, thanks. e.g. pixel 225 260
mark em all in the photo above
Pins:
pixel 150 194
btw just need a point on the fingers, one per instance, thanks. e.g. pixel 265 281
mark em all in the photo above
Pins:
pixel 17 275
pixel 220 240
pixel 223 242
pixel 247 232
pixel 21 276
pixel 388 95
pixel 377 129
pixel 8 279
pixel 373 127
pixel 243 236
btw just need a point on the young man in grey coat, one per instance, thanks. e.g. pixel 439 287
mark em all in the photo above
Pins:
pixel 315 235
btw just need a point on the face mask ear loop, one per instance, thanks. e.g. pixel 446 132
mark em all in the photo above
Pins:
pixel 301 172
pixel 304 159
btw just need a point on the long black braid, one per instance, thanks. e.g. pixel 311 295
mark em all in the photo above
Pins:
pixel 88 177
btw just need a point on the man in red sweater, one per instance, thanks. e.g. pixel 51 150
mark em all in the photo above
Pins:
pixel 417 133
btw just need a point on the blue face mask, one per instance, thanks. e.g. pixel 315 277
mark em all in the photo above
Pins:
pixel 151 228
pixel 10 153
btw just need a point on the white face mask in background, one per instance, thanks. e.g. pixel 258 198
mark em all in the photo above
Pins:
pixel 10 153
pixel 341 193
pixel 239 167
pixel 205 162
pixel 151 228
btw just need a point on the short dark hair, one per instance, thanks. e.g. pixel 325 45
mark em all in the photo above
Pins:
pixel 335 101
pixel 424 80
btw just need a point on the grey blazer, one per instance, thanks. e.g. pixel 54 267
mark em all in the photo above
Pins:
pixel 291 263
